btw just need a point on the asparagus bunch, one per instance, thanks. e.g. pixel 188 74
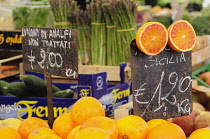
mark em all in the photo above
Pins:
pixel 81 22
pixel 98 33
pixel 124 12
pixel 111 33
pixel 60 10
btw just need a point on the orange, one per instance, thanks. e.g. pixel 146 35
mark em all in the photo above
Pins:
pixel 152 123
pixel 63 125
pixel 181 36
pixel 91 133
pixel 152 38
pixel 85 108
pixel 73 132
pixel 105 123
pixel 132 127
pixel 49 136
pixel 9 133
pixel 201 133
pixel 166 130
pixel 30 124
pixel 35 134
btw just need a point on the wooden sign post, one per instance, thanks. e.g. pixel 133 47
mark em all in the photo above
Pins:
pixel 161 84
pixel 50 51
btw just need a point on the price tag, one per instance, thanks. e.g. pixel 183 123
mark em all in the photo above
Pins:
pixel 50 50
pixel 161 84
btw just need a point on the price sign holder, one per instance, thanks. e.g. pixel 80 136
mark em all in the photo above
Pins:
pixel 50 51
pixel 161 84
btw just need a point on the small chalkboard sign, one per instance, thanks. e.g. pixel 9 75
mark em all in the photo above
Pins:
pixel 161 84
pixel 50 50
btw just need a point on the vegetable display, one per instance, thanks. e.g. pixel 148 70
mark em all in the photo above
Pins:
pixel 32 86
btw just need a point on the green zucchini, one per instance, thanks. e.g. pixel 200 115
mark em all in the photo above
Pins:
pixel 38 85
pixel 18 89
pixel 68 93
pixel 4 91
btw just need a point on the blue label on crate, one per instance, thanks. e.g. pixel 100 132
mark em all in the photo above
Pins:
pixel 98 83
pixel 25 107
pixel 83 91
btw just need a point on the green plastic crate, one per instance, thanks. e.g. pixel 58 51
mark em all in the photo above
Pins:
pixel 199 71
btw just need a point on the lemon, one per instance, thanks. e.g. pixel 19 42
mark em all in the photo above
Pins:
pixel 11 122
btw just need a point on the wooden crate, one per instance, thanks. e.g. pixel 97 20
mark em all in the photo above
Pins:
pixel 7 60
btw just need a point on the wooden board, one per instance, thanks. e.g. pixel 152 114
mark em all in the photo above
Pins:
pixel 161 84
pixel 50 50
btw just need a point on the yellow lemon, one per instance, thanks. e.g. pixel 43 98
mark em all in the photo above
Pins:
pixel 11 122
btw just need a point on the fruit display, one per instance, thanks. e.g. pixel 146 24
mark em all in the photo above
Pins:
pixel 95 125
pixel 32 86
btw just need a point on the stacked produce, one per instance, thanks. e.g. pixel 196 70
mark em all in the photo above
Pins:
pixel 105 29
pixel 32 86
pixel 77 124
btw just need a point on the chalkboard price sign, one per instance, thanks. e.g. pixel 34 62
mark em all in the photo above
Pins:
pixel 50 50
pixel 161 84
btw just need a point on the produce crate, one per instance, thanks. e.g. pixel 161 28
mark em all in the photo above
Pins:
pixel 110 95
pixel 203 69
pixel 200 56
pixel 8 60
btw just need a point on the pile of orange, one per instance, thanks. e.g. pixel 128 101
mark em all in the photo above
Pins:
pixel 153 37
pixel 87 120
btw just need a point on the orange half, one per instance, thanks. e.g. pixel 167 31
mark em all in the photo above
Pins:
pixel 182 37
pixel 152 38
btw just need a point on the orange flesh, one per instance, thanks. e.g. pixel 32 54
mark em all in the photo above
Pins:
pixel 183 35
pixel 153 38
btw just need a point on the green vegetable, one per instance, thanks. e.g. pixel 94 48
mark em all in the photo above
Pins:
pixel 33 15
pixel 124 12
pixel 68 93
pixel 199 21
pixel 98 33
pixel 18 89
pixel 38 85
pixel 2 90
pixel 81 22
pixel 60 10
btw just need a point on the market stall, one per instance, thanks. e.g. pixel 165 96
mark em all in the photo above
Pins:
pixel 100 68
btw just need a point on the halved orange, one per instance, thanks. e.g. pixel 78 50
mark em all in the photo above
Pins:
pixel 152 38
pixel 182 37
